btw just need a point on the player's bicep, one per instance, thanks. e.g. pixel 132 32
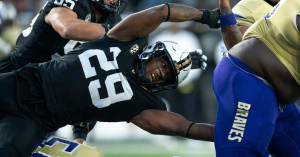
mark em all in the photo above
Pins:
pixel 140 24
pixel 60 18
pixel 59 15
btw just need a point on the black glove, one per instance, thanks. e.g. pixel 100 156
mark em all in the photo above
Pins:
pixel 198 59
pixel 81 129
pixel 211 17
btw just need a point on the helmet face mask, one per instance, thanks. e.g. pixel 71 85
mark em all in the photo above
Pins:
pixel 108 10
pixel 177 59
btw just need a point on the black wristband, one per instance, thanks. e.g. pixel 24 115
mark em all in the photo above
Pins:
pixel 187 132
pixel 210 17
pixel 205 16
pixel 168 12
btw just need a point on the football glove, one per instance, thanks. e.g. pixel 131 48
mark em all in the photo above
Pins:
pixel 81 129
pixel 211 18
pixel 198 59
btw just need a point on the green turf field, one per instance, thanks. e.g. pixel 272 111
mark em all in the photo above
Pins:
pixel 183 148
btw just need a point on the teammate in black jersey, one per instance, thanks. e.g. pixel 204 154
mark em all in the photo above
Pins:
pixel 56 25
pixel 56 29
pixel 111 79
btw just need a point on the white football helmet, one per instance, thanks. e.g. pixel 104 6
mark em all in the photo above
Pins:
pixel 179 59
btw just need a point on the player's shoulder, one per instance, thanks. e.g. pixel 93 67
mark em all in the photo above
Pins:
pixel 59 146
pixel 69 3
pixel 252 6
pixel 249 11
pixel 75 5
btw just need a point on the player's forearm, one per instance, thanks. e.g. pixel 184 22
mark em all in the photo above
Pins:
pixel 201 131
pixel 179 13
pixel 231 34
pixel 82 31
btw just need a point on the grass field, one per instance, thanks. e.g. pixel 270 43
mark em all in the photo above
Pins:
pixel 181 148
pixel 127 140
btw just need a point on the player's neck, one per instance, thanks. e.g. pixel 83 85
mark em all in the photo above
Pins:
pixel 272 2
pixel 97 13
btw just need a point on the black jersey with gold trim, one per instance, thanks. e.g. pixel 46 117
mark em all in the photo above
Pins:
pixel 97 81
pixel 40 41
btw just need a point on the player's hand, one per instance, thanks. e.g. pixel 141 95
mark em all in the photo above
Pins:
pixel 211 18
pixel 81 129
pixel 198 59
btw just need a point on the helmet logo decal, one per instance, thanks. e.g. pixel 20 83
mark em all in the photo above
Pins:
pixel 183 64
pixel 88 17
pixel 135 48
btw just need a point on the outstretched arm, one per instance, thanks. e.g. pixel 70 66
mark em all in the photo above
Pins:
pixel 231 34
pixel 65 22
pixel 168 123
pixel 144 22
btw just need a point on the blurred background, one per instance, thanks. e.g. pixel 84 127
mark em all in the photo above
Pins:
pixel 194 99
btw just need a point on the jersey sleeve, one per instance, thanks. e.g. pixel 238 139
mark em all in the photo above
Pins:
pixel 110 22
pixel 243 15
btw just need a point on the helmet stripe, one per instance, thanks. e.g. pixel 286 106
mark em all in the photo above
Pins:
pixel 183 63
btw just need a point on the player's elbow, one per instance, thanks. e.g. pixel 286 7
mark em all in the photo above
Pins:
pixel 160 11
pixel 66 32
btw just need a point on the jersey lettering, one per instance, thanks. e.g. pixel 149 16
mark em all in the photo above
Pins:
pixel 66 3
pixel 69 148
pixel 27 31
pixel 275 9
pixel 106 65
pixel 239 124
pixel 71 45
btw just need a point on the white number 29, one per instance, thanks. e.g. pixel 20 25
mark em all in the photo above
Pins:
pixel 106 65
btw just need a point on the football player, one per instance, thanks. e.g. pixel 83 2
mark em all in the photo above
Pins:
pixel 58 28
pixel 110 79
pixel 55 27
pixel 262 79
pixel 247 12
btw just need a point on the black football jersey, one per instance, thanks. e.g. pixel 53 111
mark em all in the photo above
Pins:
pixel 97 81
pixel 40 41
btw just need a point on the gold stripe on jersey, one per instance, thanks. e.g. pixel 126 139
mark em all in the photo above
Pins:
pixel 279 32
pixel 249 11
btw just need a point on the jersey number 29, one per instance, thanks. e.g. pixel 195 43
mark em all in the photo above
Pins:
pixel 106 65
